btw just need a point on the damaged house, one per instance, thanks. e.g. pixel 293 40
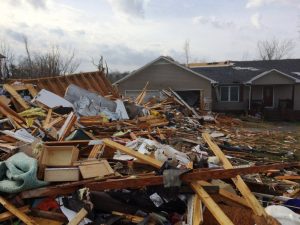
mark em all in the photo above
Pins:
pixel 270 87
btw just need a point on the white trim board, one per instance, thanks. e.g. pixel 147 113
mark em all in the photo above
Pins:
pixel 269 71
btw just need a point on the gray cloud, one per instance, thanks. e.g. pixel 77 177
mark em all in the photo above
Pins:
pixel 213 21
pixel 37 4
pixel 133 8
pixel 15 35
pixel 57 31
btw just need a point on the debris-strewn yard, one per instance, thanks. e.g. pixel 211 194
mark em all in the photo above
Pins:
pixel 82 154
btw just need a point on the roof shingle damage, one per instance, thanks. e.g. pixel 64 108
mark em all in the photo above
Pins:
pixel 243 71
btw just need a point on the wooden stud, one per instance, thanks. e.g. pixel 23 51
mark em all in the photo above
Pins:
pixel 197 210
pixel 21 215
pixel 8 215
pixel 212 206
pixel 149 160
pixel 16 96
pixel 79 217
pixel 239 183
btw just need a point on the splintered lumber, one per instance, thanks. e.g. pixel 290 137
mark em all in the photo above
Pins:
pixel 239 183
pixel 147 159
pixel 95 150
pixel 212 206
pixel 188 177
pixel 16 96
pixel 136 182
pixel 47 120
pixel 18 213
pixel 79 217
pixel 67 127
pixel 131 218
pixel 287 177
pixel 8 112
pixel 197 210
pixel 139 99
pixel 227 194
pixel 31 89
pixel 8 215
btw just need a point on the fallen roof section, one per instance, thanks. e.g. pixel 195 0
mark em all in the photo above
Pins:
pixel 92 81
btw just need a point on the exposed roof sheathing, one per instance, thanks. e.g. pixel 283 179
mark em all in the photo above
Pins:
pixel 92 81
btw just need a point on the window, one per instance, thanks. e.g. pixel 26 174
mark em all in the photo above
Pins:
pixel 230 93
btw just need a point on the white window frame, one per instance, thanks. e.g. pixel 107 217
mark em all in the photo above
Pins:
pixel 229 93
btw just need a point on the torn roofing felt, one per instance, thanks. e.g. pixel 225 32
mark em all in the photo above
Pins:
pixel 92 81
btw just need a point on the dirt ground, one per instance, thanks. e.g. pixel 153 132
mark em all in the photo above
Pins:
pixel 280 139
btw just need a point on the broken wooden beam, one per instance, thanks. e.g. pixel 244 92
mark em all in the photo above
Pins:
pixel 15 211
pixel 147 159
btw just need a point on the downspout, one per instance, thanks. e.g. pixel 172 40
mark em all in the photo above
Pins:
pixel 250 95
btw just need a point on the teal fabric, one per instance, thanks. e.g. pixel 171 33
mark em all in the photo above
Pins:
pixel 19 173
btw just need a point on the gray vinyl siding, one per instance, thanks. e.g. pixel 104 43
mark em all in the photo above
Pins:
pixel 162 75
pixel 273 78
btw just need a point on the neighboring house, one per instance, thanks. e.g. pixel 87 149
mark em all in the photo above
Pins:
pixel 2 62
pixel 253 86
pixel 164 73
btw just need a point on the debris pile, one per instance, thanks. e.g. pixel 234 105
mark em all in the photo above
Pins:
pixel 91 157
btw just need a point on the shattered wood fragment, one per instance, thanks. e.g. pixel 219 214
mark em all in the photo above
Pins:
pixel 18 213
pixel 215 210
pixel 147 159
pixel 95 150
pixel 79 217
pixel 67 127
pixel 48 118
pixel 8 215
pixel 197 210
pixel 131 218
pixel 239 183
pixel 49 215
pixel 16 96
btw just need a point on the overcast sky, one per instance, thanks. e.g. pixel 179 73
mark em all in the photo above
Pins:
pixel 130 33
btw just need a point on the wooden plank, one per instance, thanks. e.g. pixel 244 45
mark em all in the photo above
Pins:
pixel 67 127
pixel 131 218
pixel 79 216
pixel 229 195
pixel 147 159
pixel 212 206
pixel 135 182
pixel 16 96
pixel 95 150
pixel 21 215
pixel 197 210
pixel 288 177
pixel 8 112
pixel 31 89
pixel 99 169
pixel 43 221
pixel 47 120
pixel 8 215
pixel 239 183
pixel 49 215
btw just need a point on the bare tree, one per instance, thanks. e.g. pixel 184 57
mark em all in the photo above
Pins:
pixel 51 63
pixel 186 49
pixel 275 49
pixel 101 65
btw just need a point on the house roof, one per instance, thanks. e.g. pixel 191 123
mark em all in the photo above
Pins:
pixel 245 71
pixel 170 60
pixel 92 81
